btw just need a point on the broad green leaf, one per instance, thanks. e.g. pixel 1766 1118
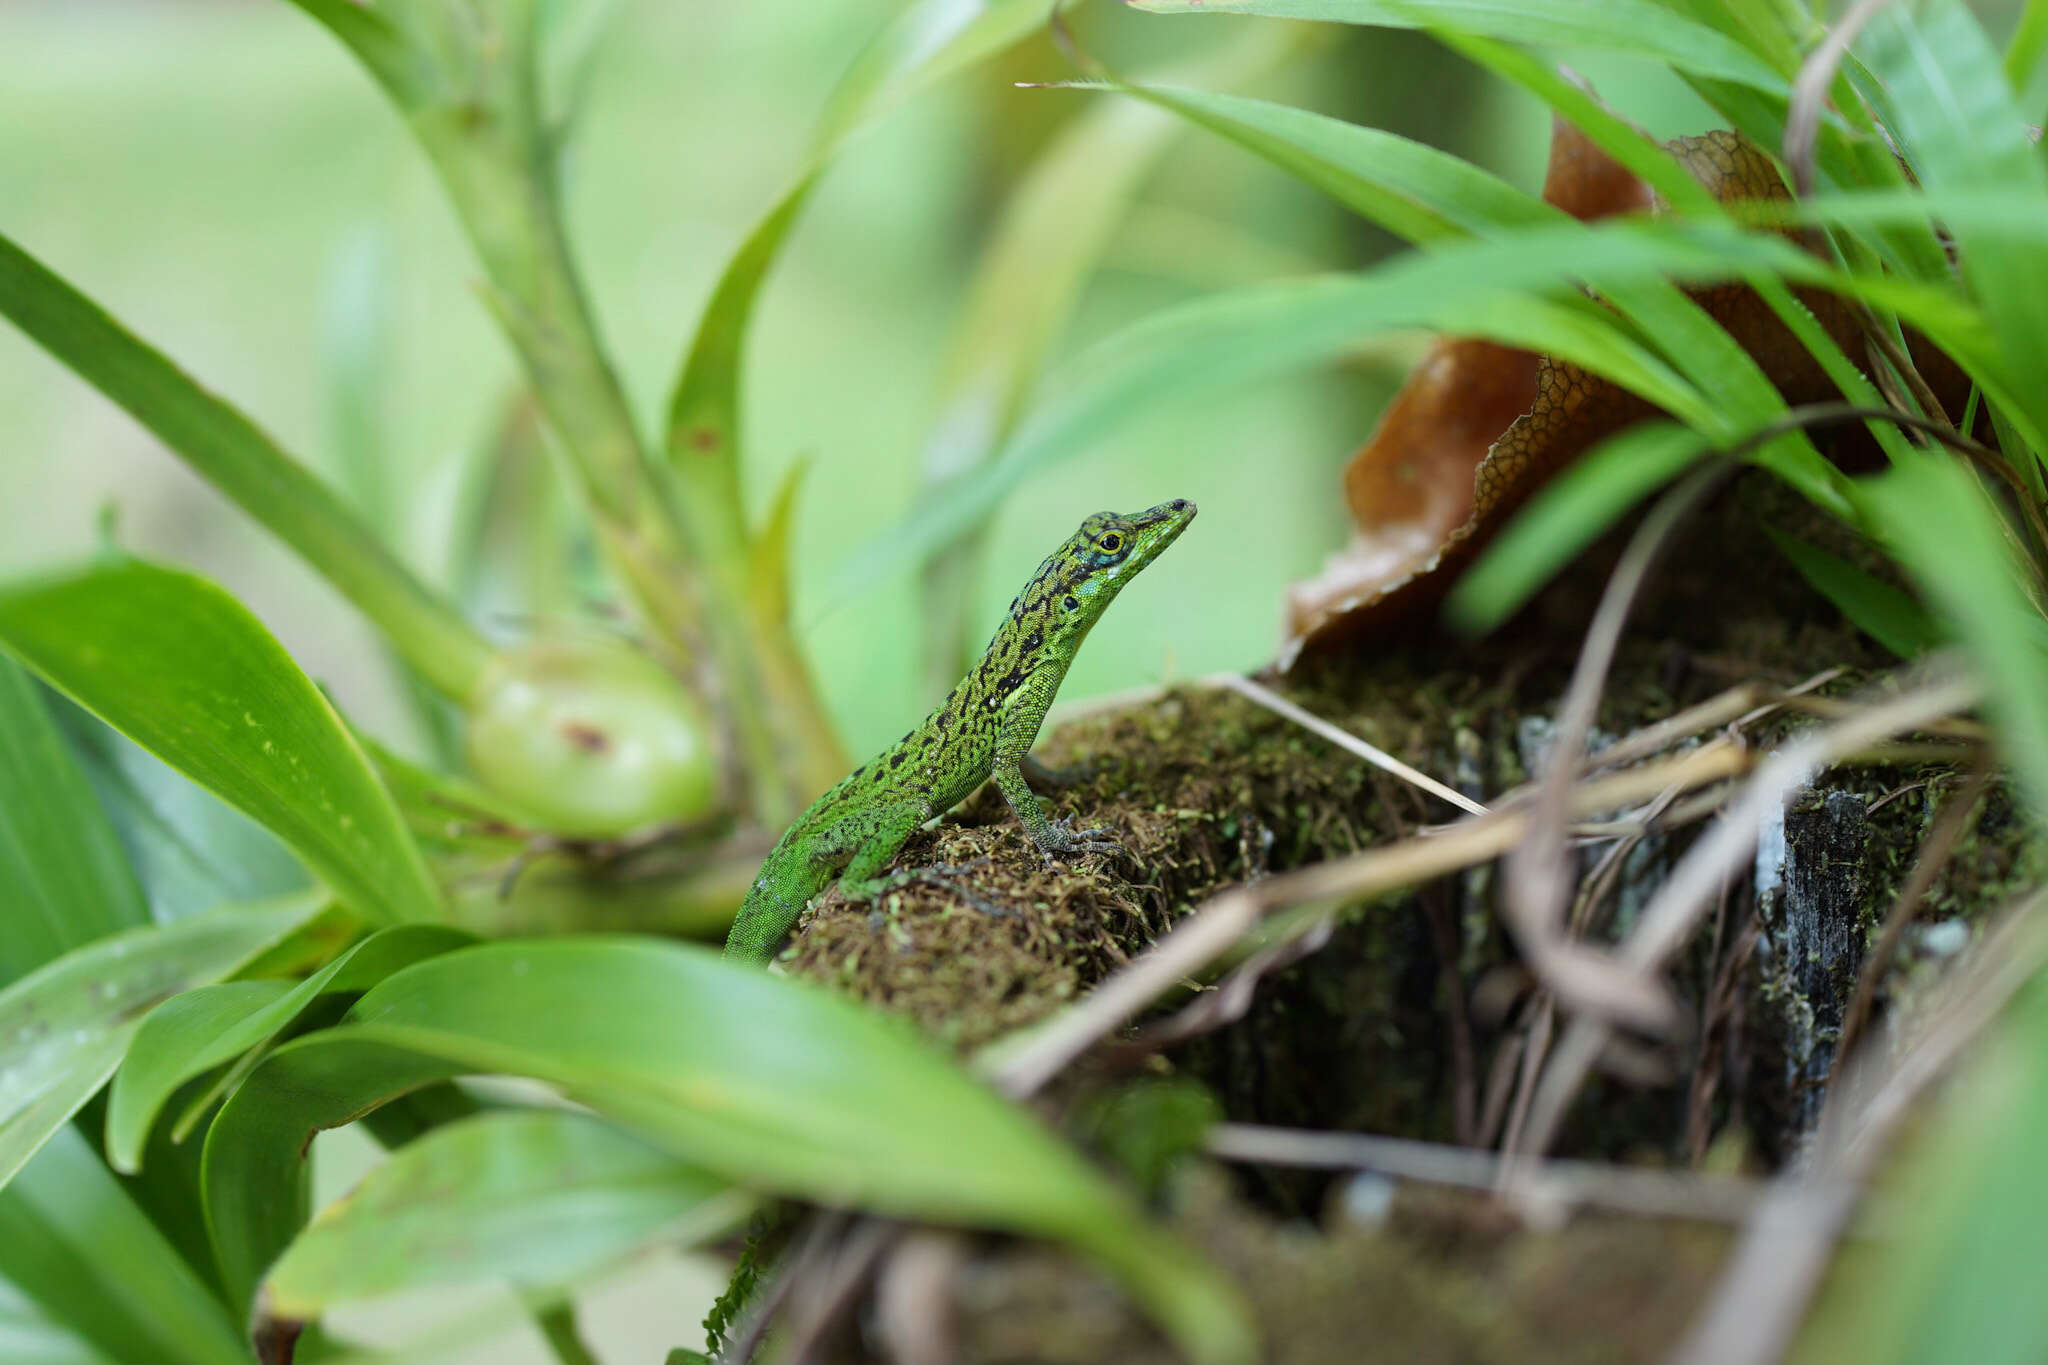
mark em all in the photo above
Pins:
pixel 1636 27
pixel 31 1336
pixel 64 1026
pixel 190 1034
pixel 191 850
pixel 231 453
pixel 1873 606
pixel 539 1197
pixel 183 669
pixel 1939 524
pixel 1955 121
pixel 1571 512
pixel 63 878
pixel 765 1082
pixel 72 1240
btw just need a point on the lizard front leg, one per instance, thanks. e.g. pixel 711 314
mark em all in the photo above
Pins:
pixel 1015 735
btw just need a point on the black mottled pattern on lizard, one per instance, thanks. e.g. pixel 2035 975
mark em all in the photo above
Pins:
pixel 984 728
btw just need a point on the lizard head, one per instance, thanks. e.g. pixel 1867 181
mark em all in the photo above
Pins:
pixel 1108 551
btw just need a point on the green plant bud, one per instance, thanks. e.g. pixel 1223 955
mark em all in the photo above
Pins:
pixel 592 739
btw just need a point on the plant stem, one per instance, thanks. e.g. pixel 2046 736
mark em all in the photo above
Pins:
pixel 465 76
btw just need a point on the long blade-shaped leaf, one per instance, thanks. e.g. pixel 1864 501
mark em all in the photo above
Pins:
pixel 31 1334
pixel 183 669
pixel 1636 27
pixel 64 1026
pixel 73 1241
pixel 1879 610
pixel 1943 530
pixel 1959 128
pixel 1513 291
pixel 762 1081
pixel 538 1197
pixel 63 878
pixel 1429 196
pixel 929 41
pixel 191 850
pixel 230 452
pixel 202 1028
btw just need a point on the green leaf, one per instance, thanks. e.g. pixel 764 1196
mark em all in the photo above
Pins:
pixel 1956 123
pixel 1432 197
pixel 73 1241
pixel 1483 289
pixel 539 1197
pixel 191 850
pixel 1411 189
pixel 1873 606
pixel 927 42
pixel 194 1032
pixel 64 1026
pixel 31 1336
pixel 1636 27
pixel 236 457
pixel 765 1082
pixel 1961 1287
pixel 183 669
pixel 64 880
pixel 1940 525
pixel 1571 512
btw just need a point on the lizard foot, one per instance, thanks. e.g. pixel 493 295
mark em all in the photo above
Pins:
pixel 949 877
pixel 1062 839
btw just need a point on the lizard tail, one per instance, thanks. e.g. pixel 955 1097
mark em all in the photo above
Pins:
pixel 764 918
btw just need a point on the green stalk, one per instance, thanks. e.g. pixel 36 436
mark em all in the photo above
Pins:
pixel 233 454
pixel 465 77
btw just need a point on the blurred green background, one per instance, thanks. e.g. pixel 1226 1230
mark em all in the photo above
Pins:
pixel 223 178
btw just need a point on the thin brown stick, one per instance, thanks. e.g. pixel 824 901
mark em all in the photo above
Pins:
pixel 1711 714
pixel 1350 743
pixel 1542 1029
pixel 1550 1184
pixel 1810 91
pixel 836 1289
pixel 1538 876
pixel 793 1266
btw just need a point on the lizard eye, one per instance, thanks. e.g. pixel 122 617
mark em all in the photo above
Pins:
pixel 1111 542
pixel 1070 604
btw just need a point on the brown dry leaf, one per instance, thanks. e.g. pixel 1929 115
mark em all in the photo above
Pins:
pixel 1478 428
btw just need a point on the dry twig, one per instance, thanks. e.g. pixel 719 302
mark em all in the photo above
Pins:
pixel 1670 918
pixel 1545 1186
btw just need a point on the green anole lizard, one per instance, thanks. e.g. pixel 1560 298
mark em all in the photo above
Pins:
pixel 984 728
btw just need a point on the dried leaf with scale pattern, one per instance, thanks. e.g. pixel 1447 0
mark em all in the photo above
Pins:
pixel 1479 428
